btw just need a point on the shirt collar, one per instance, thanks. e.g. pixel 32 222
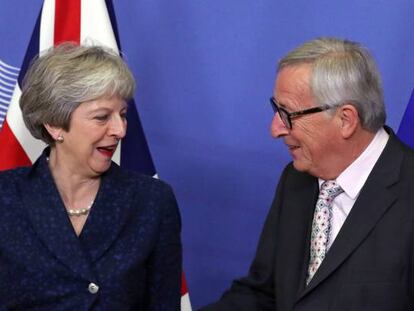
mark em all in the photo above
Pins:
pixel 353 178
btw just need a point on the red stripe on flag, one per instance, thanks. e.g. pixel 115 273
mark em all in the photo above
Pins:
pixel 183 285
pixel 12 154
pixel 67 21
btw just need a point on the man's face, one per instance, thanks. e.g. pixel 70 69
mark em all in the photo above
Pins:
pixel 313 139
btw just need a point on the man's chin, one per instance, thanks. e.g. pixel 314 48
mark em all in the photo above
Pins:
pixel 300 166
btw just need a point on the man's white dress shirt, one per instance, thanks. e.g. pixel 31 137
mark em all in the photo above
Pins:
pixel 352 179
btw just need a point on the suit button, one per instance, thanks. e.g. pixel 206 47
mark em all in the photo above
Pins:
pixel 93 288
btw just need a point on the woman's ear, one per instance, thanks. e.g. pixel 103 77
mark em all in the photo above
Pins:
pixel 349 120
pixel 55 132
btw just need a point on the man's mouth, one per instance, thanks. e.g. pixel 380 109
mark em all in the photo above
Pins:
pixel 292 147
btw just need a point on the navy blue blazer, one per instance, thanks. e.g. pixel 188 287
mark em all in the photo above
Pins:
pixel 129 247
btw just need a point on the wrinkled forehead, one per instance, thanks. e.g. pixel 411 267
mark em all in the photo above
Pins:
pixel 293 82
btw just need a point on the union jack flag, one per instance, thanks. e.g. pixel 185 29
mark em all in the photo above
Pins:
pixel 406 130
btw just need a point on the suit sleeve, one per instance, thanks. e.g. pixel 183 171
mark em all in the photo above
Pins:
pixel 165 263
pixel 256 291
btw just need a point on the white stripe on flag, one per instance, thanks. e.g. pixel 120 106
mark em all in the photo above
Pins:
pixel 47 25
pixel 185 302
pixel 94 12
pixel 31 146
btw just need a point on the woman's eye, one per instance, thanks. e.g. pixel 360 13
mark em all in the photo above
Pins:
pixel 101 118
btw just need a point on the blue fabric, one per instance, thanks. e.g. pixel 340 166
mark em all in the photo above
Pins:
pixel 130 244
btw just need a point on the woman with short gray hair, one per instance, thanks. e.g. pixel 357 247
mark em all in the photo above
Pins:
pixel 66 76
pixel 82 233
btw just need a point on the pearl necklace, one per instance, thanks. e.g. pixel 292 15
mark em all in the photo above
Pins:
pixel 79 212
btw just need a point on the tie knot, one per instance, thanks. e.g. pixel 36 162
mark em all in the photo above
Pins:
pixel 330 189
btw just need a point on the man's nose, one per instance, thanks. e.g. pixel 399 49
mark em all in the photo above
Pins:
pixel 277 127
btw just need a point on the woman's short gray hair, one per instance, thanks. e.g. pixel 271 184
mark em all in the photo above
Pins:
pixel 342 72
pixel 62 78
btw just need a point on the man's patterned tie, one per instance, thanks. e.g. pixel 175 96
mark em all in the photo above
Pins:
pixel 321 226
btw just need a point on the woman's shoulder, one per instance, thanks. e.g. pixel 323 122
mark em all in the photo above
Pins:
pixel 153 195
pixel 14 174
pixel 10 179
pixel 139 180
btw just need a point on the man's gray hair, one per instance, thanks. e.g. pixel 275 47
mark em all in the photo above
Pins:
pixel 342 72
pixel 62 78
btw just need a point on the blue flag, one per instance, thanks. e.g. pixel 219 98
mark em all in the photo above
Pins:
pixel 406 130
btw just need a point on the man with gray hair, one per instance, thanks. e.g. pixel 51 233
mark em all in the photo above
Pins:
pixel 340 232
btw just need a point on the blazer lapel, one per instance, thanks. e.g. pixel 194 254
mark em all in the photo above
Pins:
pixel 296 221
pixel 378 194
pixel 51 224
pixel 109 213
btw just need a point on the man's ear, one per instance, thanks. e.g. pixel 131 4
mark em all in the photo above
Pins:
pixel 54 131
pixel 349 120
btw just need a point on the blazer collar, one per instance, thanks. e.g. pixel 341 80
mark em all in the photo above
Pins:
pixel 112 209
pixel 377 195
pixel 52 225
pixel 48 216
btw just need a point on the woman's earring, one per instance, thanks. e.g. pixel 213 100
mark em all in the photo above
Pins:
pixel 60 139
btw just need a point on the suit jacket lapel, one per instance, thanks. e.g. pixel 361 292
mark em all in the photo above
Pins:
pixel 50 222
pixel 309 217
pixel 296 221
pixel 378 194
pixel 109 213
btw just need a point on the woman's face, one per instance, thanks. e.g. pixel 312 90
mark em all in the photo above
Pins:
pixel 96 128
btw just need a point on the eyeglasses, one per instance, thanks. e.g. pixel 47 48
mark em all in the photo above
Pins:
pixel 287 117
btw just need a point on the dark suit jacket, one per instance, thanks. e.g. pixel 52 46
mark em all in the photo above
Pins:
pixel 130 245
pixel 370 265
